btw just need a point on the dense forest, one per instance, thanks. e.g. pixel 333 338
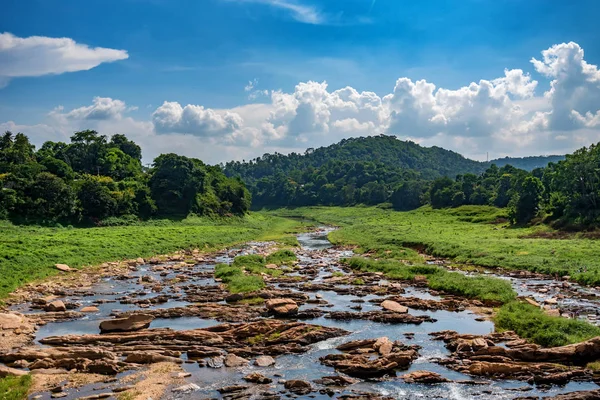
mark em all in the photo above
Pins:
pixel 101 181
pixel 384 170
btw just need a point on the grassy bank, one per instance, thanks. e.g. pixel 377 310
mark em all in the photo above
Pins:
pixel 531 323
pixel 14 388
pixel 469 234
pixel 486 289
pixel 29 253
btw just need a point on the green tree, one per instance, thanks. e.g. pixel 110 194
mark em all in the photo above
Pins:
pixel 525 203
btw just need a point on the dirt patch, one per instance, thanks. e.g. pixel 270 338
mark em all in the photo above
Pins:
pixel 153 382
pixel 43 383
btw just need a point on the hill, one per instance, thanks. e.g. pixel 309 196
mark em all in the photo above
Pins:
pixel 527 163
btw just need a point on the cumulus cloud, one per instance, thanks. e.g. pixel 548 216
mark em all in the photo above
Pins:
pixel 40 55
pixel 504 116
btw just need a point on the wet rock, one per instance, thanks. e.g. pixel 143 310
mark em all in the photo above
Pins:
pixel 151 358
pixel 232 361
pixel 383 346
pixel 135 322
pixel 232 389
pixel 380 316
pixel 90 309
pixel 264 361
pixel 257 378
pixel 10 321
pixel 298 386
pixel 96 396
pixel 282 307
pixel 7 371
pixel 423 377
pixel 190 387
pixel 394 307
pixel 581 395
pixel 216 362
pixel 56 306
pixel 336 380
pixel 62 267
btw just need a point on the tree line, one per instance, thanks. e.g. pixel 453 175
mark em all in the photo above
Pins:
pixel 94 179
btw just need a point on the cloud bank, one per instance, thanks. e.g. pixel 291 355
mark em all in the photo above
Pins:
pixel 505 116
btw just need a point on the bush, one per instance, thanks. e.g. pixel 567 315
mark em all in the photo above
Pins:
pixel 281 257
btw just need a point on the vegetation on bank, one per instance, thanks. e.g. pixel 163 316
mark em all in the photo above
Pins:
pixel 532 323
pixel 244 275
pixel 29 253
pixel 14 388
pixel 476 235
pixel 484 288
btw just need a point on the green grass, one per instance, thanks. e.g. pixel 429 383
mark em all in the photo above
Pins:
pixel 14 388
pixel 484 288
pixel 28 253
pixel 281 257
pixel 530 322
pixel 245 284
pixel 468 235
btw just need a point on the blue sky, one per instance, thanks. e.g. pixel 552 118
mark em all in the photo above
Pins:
pixel 203 53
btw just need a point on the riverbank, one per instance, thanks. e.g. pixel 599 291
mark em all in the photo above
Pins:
pixel 28 253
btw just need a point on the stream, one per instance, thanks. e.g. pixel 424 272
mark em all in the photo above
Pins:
pixel 315 249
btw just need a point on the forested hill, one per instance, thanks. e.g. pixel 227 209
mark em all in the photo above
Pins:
pixel 429 162
pixel 527 163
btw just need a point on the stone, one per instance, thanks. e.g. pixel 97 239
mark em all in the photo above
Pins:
pixel 298 386
pixel 56 306
pixel 271 266
pixel 336 380
pixel 190 387
pixel 89 309
pixel 151 358
pixel 62 267
pixel 393 306
pixel 7 371
pixel 10 321
pixel 257 378
pixel 532 302
pixel 383 345
pixel 232 361
pixel 423 377
pixel 132 323
pixel 282 307
pixel 264 361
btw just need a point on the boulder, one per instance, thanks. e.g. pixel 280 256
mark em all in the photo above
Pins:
pixel 383 345
pixel 298 386
pixel 56 306
pixel 532 302
pixel 132 323
pixel 423 377
pixel 62 267
pixel 264 361
pixel 232 361
pixel 190 387
pixel 336 380
pixel 282 307
pixel 10 321
pixel 89 309
pixel 393 306
pixel 257 378
pixel 7 371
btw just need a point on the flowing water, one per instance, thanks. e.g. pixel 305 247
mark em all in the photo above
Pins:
pixel 315 249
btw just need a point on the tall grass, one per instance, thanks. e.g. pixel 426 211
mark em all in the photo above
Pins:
pixel 14 388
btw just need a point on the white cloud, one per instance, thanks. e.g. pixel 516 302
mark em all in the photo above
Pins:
pixel 40 55
pixel 300 12
pixel 503 116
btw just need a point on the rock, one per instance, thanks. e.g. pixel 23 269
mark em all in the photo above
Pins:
pixel 551 301
pixel 298 386
pixel 96 396
pixel 532 302
pixel 90 309
pixel 552 312
pixel 581 395
pixel 232 361
pixel 257 378
pixel 271 266
pixel 7 371
pixel 216 362
pixel 393 306
pixel 383 345
pixel 336 380
pixel 264 361
pixel 282 307
pixel 423 377
pixel 420 279
pixel 56 306
pixel 134 322
pixel 58 395
pixel 62 267
pixel 151 358
pixel 10 321
pixel 190 387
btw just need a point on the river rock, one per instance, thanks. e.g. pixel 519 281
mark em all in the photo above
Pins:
pixel 151 358
pixel 7 371
pixel 132 323
pixel 298 386
pixel 190 387
pixel 393 306
pixel 423 377
pixel 271 266
pixel 232 361
pixel 89 309
pixel 383 345
pixel 62 267
pixel 10 321
pixel 264 361
pixel 56 306
pixel 336 380
pixel 282 307
pixel 257 378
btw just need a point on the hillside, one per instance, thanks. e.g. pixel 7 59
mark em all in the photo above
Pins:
pixel 430 162
pixel 527 163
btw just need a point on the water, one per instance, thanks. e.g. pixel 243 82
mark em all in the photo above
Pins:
pixel 315 249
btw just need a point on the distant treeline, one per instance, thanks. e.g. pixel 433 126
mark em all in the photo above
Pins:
pixel 97 180
pixel 383 169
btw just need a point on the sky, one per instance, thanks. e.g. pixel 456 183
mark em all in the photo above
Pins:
pixel 227 80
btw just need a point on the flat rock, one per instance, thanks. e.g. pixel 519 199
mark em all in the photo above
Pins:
pixel 10 321
pixel 56 306
pixel 132 323
pixel 62 267
pixel 89 309
pixel 393 306
pixel 423 377
pixel 232 361
pixel 264 361
pixel 190 387
pixel 257 378
pixel 298 386
pixel 282 307
pixel 7 371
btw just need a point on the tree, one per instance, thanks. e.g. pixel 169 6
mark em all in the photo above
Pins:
pixel 48 199
pixel 525 203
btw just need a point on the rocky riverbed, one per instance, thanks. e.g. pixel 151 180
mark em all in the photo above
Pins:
pixel 164 328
